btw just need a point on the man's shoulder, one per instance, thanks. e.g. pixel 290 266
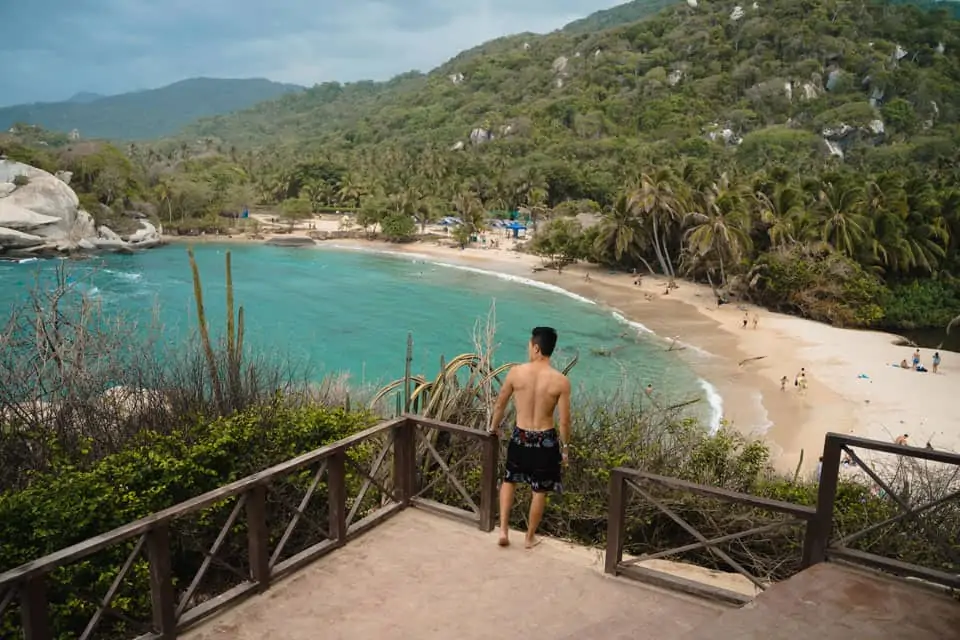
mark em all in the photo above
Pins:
pixel 560 378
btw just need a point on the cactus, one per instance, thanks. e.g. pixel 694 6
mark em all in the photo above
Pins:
pixel 204 332
pixel 235 332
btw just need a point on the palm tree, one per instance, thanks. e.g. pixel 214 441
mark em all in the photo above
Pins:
pixel 718 228
pixel 164 193
pixel 781 213
pixel 839 207
pixel 657 199
pixel 621 234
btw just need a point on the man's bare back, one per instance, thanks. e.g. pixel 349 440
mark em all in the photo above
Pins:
pixel 537 389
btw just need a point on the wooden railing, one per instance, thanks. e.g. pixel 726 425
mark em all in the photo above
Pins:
pixel 820 541
pixel 286 516
pixel 910 504
pixel 625 482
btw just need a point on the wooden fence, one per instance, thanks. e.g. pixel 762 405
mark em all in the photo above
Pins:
pixel 405 469
pixel 820 540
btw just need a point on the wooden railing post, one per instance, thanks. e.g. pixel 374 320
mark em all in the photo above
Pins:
pixel 821 526
pixel 488 487
pixel 615 522
pixel 404 461
pixel 162 596
pixel 33 609
pixel 337 485
pixel 258 536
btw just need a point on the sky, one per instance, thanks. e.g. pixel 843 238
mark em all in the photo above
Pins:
pixel 115 46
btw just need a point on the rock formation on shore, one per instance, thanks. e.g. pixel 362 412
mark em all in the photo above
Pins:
pixel 40 215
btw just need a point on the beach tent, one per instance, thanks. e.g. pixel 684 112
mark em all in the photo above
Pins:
pixel 516 227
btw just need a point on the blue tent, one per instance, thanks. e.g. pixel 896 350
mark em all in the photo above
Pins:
pixel 516 227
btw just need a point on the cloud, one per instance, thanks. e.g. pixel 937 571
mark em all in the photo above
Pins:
pixel 114 46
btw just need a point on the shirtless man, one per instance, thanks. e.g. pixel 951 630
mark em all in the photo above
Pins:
pixel 537 449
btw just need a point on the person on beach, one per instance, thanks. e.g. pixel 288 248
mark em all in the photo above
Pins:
pixel 902 440
pixel 916 358
pixel 537 450
pixel 936 361
pixel 756 320
pixel 649 390
pixel 783 383
pixel 746 320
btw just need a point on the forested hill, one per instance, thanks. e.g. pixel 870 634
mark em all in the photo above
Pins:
pixel 663 84
pixel 141 115
pixel 718 140
pixel 618 15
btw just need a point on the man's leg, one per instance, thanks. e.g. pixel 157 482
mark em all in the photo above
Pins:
pixel 538 502
pixel 506 505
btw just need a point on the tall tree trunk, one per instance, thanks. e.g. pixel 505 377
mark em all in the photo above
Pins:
pixel 656 248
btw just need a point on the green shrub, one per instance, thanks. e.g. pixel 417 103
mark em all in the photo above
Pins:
pixel 817 284
pixel 921 304
pixel 69 505
pixel 399 227
pixel 20 180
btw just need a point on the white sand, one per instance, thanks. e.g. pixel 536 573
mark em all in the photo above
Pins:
pixel 891 401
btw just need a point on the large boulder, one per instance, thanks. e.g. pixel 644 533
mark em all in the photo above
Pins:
pixel 45 195
pixel 11 238
pixel 146 236
pixel 13 216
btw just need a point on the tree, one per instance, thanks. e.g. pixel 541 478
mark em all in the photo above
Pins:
pixel 561 241
pixel 399 227
pixel 294 209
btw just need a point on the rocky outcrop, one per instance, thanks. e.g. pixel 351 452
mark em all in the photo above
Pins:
pixel 41 214
pixel 291 241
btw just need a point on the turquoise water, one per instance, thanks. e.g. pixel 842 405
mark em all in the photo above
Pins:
pixel 338 310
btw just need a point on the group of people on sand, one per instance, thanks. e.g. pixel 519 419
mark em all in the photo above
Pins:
pixel 917 365
pixel 799 380
pixel 747 319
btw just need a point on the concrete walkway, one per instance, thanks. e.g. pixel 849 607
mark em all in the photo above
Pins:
pixel 421 576
pixel 833 602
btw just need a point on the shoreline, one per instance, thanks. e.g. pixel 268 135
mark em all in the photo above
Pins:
pixel 852 387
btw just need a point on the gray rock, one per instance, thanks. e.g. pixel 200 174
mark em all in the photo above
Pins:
pixel 16 217
pixel 106 233
pixel 11 238
pixel 146 235
pixel 287 241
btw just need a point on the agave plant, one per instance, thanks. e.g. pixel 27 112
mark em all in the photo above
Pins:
pixel 449 398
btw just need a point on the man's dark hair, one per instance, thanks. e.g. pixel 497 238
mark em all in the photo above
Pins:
pixel 546 339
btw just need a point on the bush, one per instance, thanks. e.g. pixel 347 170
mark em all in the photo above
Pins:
pixel 921 304
pixel 20 180
pixel 818 284
pixel 399 227
pixel 68 505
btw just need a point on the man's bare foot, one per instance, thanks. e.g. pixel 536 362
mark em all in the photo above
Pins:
pixel 504 540
pixel 531 542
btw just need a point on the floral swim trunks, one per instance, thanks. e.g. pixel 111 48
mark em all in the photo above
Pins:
pixel 534 458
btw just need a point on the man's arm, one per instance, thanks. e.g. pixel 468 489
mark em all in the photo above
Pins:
pixel 506 392
pixel 564 405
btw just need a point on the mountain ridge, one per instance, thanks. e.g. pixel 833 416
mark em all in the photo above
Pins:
pixel 147 113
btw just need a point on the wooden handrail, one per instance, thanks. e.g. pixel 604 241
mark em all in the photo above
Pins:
pixel 818 520
pixel 800 511
pixel 82 549
pixel 169 617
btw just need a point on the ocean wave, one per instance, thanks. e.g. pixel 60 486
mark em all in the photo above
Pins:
pixel 642 328
pixel 765 422
pixel 420 257
pixel 715 402
pixel 131 276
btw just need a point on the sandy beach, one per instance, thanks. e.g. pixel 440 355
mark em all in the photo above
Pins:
pixel 853 385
